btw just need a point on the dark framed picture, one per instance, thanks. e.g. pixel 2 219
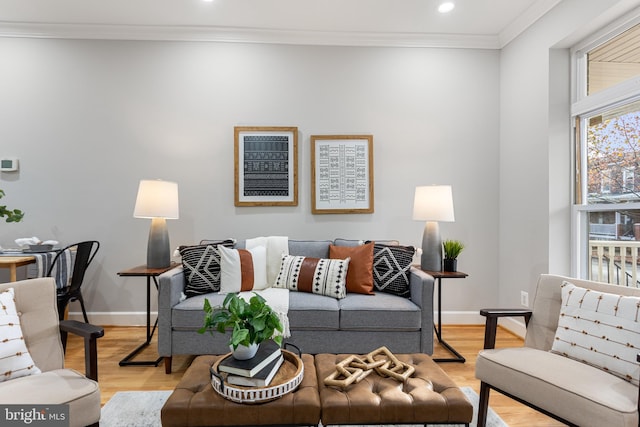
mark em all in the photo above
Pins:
pixel 341 174
pixel 266 166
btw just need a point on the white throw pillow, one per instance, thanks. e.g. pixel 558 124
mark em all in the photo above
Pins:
pixel 15 360
pixel 600 329
pixel 314 275
pixel 243 269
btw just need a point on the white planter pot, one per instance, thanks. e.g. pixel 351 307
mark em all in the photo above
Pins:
pixel 243 352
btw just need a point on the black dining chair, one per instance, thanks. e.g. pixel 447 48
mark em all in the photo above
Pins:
pixel 84 254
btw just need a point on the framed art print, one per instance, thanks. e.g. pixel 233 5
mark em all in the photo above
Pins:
pixel 266 166
pixel 341 174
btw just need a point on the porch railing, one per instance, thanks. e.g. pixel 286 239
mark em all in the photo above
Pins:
pixel 615 262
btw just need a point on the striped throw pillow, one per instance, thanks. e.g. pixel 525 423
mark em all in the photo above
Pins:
pixel 315 275
pixel 243 270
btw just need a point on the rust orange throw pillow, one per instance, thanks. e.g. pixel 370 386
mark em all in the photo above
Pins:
pixel 360 273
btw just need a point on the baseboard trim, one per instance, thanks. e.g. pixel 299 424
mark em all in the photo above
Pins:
pixel 120 318
pixel 514 326
pixel 460 318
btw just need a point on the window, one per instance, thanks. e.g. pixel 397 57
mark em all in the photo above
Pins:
pixel 606 214
pixel 613 154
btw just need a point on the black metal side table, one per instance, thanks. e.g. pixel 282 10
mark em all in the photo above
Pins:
pixel 149 273
pixel 439 275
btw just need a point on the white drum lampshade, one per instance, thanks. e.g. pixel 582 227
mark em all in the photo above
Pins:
pixel 433 204
pixel 157 200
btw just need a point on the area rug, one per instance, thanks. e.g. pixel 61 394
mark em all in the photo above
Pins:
pixel 142 409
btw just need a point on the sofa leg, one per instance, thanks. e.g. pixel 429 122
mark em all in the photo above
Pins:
pixel 167 364
pixel 483 404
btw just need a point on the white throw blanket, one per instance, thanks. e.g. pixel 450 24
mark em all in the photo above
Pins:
pixel 275 297
pixel 276 247
pixel 278 300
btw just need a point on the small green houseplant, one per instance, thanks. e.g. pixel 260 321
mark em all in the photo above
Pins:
pixel 452 249
pixel 12 215
pixel 250 322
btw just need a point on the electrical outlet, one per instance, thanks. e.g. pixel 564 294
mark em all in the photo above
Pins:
pixel 524 298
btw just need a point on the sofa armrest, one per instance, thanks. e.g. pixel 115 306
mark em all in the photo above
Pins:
pixel 170 287
pixel 170 290
pixel 421 286
pixel 491 324
pixel 90 334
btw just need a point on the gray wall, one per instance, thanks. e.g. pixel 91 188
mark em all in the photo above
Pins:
pixel 89 119
pixel 535 144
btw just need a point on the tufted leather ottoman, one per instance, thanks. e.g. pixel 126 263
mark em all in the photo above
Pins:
pixel 195 403
pixel 429 396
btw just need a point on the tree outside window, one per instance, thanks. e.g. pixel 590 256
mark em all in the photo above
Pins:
pixel 613 155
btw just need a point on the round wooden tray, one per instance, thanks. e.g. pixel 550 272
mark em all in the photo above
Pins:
pixel 285 381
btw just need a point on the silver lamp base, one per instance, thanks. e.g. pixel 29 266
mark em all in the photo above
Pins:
pixel 158 251
pixel 431 258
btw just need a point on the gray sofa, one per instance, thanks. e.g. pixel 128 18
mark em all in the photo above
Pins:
pixel 319 324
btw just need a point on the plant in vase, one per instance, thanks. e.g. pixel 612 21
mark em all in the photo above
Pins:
pixel 452 249
pixel 250 322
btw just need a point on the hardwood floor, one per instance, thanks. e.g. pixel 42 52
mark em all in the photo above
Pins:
pixel 119 341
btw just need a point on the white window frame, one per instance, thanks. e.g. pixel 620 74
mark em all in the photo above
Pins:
pixel 584 105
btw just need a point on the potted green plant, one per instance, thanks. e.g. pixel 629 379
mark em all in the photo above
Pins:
pixel 12 215
pixel 250 322
pixel 452 249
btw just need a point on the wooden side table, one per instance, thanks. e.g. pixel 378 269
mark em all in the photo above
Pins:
pixel 149 273
pixel 439 275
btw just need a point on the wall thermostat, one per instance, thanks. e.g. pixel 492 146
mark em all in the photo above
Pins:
pixel 8 164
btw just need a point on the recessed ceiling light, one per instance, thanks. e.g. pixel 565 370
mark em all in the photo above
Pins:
pixel 446 6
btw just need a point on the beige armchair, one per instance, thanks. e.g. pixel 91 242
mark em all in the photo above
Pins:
pixel 35 301
pixel 568 390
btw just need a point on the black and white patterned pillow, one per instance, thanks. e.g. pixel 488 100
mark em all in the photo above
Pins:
pixel 320 276
pixel 201 265
pixel 391 265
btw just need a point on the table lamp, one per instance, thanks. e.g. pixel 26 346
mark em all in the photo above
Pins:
pixel 157 200
pixel 432 203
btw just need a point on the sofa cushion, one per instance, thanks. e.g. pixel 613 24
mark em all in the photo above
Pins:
pixel 201 264
pixel 391 265
pixel 360 273
pixel 600 329
pixel 315 275
pixel 243 269
pixel 354 242
pixel 575 391
pixel 306 311
pixel 15 360
pixel 310 248
pixel 313 312
pixel 378 312
pixel 189 313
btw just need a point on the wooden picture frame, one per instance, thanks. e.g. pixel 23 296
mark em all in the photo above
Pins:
pixel 266 166
pixel 341 174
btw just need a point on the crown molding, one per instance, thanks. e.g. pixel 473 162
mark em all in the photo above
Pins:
pixel 245 35
pixel 537 10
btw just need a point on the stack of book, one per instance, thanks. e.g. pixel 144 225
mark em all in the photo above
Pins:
pixel 257 371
